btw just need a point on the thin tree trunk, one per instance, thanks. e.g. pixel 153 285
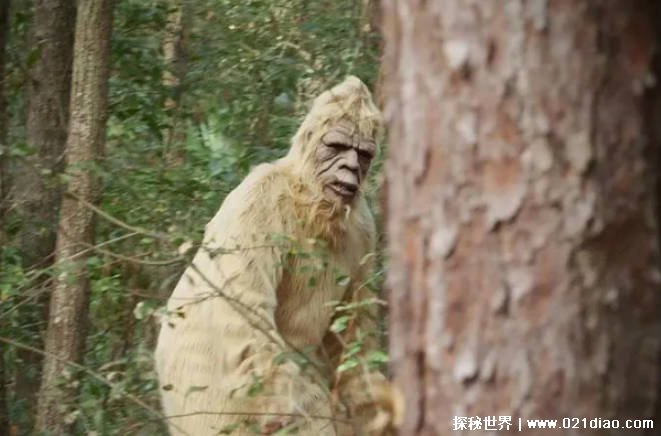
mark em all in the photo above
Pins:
pixel 524 259
pixel 174 57
pixel 34 192
pixel 66 332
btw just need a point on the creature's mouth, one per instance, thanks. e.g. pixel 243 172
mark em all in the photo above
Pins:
pixel 345 190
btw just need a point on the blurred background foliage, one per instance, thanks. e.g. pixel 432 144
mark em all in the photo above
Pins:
pixel 183 130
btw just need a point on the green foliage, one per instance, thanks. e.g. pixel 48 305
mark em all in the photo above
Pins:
pixel 251 67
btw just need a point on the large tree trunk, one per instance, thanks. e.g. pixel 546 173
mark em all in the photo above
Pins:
pixel 4 22
pixel 66 332
pixel 524 268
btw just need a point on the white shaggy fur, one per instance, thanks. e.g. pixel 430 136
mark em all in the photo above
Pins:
pixel 263 284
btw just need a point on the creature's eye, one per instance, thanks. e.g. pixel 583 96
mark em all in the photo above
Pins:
pixel 365 155
pixel 338 146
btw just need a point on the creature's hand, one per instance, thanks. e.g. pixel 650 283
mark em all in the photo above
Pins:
pixel 378 403
pixel 387 406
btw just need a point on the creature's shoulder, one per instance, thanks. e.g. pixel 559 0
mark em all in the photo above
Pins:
pixel 267 185
pixel 258 198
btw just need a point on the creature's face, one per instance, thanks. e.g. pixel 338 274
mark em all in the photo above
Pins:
pixel 343 161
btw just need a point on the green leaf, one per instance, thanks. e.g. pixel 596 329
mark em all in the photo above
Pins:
pixel 194 389
pixel 142 310
pixel 340 324
pixel 33 56
pixel 280 358
pixel 354 348
pixel 347 365
pixel 288 429
pixel 256 386
pixel 366 258
pixel 343 280
pixel 377 357
pixel 229 429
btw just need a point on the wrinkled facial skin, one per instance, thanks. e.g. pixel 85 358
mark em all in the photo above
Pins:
pixel 343 160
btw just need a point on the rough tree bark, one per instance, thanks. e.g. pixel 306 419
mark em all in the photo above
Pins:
pixel 66 332
pixel 34 194
pixel 174 56
pixel 524 270
pixel 34 189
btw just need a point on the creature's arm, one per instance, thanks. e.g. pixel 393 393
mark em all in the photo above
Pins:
pixel 361 338
pixel 361 388
pixel 252 274
pixel 373 402
pixel 225 337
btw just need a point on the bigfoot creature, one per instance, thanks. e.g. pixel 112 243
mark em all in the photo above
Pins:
pixel 246 346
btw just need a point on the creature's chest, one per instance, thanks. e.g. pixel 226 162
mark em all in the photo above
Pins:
pixel 313 282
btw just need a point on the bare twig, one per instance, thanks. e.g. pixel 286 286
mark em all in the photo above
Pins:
pixel 116 221
pixel 89 372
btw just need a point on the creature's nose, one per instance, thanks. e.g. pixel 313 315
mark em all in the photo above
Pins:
pixel 352 160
